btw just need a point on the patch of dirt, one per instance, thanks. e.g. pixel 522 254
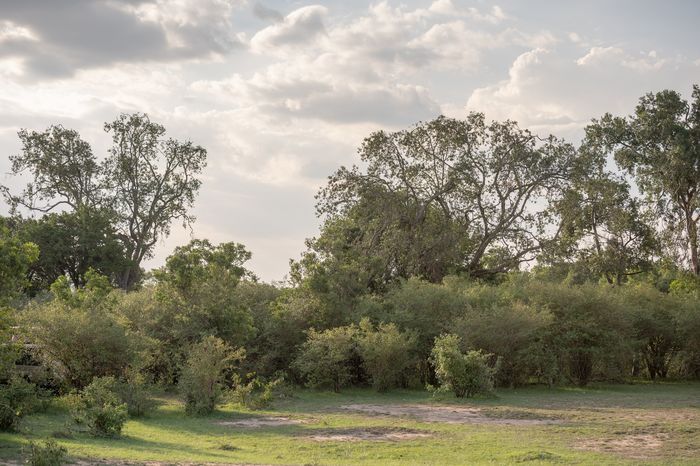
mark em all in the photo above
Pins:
pixel 360 434
pixel 267 421
pixel 443 413
pixel 634 446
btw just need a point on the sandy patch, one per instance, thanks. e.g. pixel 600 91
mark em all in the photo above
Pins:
pixel 635 446
pixel 267 421
pixel 367 434
pixel 446 414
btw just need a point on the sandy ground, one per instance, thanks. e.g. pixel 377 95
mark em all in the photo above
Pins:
pixel 446 414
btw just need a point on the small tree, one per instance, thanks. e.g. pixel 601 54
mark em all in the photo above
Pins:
pixel 325 357
pixel 203 373
pixel 464 374
pixel 99 408
pixel 386 353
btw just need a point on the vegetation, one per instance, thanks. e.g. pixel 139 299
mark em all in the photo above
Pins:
pixel 463 254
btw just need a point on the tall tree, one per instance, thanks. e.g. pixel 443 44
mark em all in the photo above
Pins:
pixel 152 181
pixel 485 188
pixel 603 228
pixel 660 146
pixel 145 182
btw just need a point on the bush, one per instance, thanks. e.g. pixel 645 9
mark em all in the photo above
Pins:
pixel 99 408
pixel 79 335
pixel 203 374
pixel 48 454
pixel 134 391
pixel 386 353
pixel 17 398
pixel 590 334
pixel 508 330
pixel 464 374
pixel 256 393
pixel 325 358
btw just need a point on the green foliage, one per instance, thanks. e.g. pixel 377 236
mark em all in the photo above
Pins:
pixel 48 454
pixel 99 408
pixel 589 334
pixel 15 258
pixel 325 358
pixel 72 243
pixel 387 353
pixel 79 335
pixel 464 374
pixel 201 381
pixel 135 392
pixel 17 398
pixel 256 393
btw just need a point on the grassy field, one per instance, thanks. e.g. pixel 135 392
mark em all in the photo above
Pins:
pixel 619 424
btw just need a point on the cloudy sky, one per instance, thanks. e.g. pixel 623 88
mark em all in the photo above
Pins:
pixel 282 92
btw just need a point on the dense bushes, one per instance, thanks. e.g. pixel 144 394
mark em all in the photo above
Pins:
pixel 325 359
pixel 464 374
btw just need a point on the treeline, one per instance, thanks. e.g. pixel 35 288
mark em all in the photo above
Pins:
pixel 463 255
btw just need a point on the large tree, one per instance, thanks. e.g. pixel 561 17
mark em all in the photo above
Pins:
pixel 660 146
pixel 451 195
pixel 152 181
pixel 603 228
pixel 145 183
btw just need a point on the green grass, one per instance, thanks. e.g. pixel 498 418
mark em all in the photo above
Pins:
pixel 594 426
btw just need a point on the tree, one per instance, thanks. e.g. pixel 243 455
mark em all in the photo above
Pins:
pixel 16 256
pixel 660 146
pixel 145 182
pixel 602 226
pixel 152 181
pixel 468 195
pixel 63 169
pixel 70 244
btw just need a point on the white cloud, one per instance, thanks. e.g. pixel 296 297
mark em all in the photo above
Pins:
pixel 300 27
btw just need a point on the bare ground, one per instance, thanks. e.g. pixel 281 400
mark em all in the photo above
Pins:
pixel 443 413
pixel 367 433
pixel 267 421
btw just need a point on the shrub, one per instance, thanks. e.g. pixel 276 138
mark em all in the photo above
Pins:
pixel 201 379
pixel 256 393
pixel 79 335
pixel 386 353
pixel 134 391
pixel 464 374
pixel 507 330
pixel 99 408
pixel 48 454
pixel 589 333
pixel 17 398
pixel 325 358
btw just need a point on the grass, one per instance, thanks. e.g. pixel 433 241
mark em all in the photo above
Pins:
pixel 620 424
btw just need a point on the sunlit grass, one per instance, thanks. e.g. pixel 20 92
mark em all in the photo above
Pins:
pixel 604 415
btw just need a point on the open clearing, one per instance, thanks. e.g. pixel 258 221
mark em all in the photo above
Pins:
pixel 620 424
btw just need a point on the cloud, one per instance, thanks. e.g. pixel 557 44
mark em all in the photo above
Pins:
pixel 607 56
pixel 56 39
pixel 298 28
pixel 265 13
pixel 551 93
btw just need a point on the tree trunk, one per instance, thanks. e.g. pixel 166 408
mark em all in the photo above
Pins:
pixel 692 230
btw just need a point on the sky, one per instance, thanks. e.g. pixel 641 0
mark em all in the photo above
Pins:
pixel 281 93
